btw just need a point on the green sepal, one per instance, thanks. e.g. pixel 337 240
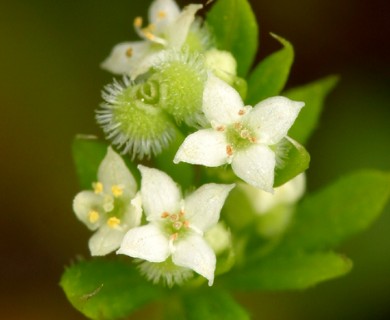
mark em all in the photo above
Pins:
pixel 88 152
pixel 212 304
pixel 271 74
pixel 104 290
pixel 289 271
pixel 235 29
pixel 295 159
pixel 340 210
pixel 313 95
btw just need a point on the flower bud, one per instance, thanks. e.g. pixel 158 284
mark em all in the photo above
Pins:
pixel 132 120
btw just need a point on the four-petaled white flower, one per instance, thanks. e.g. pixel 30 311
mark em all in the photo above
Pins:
pixel 241 135
pixel 112 208
pixel 168 28
pixel 176 226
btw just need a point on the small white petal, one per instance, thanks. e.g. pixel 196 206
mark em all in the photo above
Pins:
pixel 163 13
pixel 133 214
pixel 114 172
pixel 105 240
pixel 83 204
pixel 194 253
pixel 177 31
pixel 126 57
pixel 221 103
pixel 255 165
pixel 146 242
pixel 159 193
pixel 272 118
pixel 206 147
pixel 203 206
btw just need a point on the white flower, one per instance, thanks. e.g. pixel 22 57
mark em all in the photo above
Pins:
pixel 112 208
pixel 241 135
pixel 286 195
pixel 168 28
pixel 176 226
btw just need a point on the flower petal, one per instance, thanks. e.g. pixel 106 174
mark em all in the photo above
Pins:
pixel 272 118
pixel 125 57
pixel 177 31
pixel 206 147
pixel 202 207
pixel 105 240
pixel 221 103
pixel 146 242
pixel 114 172
pixel 163 13
pixel 255 165
pixel 83 204
pixel 159 193
pixel 193 252
pixel 133 213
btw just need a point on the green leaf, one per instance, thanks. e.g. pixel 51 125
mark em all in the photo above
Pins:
pixel 287 272
pixel 295 160
pixel 212 304
pixel 102 289
pixel 271 74
pixel 234 26
pixel 338 211
pixel 182 173
pixel 88 152
pixel 313 94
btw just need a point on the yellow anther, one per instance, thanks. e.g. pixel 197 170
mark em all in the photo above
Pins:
pixel 229 150
pixel 93 216
pixel 117 191
pixel 220 128
pixel 174 236
pixel 129 52
pixel 241 112
pixel 97 187
pixel 186 224
pixel 161 14
pixel 164 214
pixel 149 35
pixel 113 222
pixel 174 217
pixel 138 22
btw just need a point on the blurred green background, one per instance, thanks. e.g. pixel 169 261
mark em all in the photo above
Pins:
pixel 50 86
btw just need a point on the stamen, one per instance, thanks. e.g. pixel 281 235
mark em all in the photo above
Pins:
pixel 117 191
pixel 186 224
pixel 181 213
pixel 241 112
pixel 138 22
pixel 221 128
pixel 174 236
pixel 253 139
pixel 161 14
pixel 174 217
pixel 165 215
pixel 113 222
pixel 229 150
pixel 97 187
pixel 129 52
pixel 93 216
pixel 148 35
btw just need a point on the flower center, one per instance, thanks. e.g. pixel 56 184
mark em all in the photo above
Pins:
pixel 175 224
pixel 113 206
pixel 239 137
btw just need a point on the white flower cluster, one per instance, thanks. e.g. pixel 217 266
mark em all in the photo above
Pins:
pixel 173 241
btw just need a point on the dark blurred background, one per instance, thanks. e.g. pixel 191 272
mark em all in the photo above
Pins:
pixel 50 86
